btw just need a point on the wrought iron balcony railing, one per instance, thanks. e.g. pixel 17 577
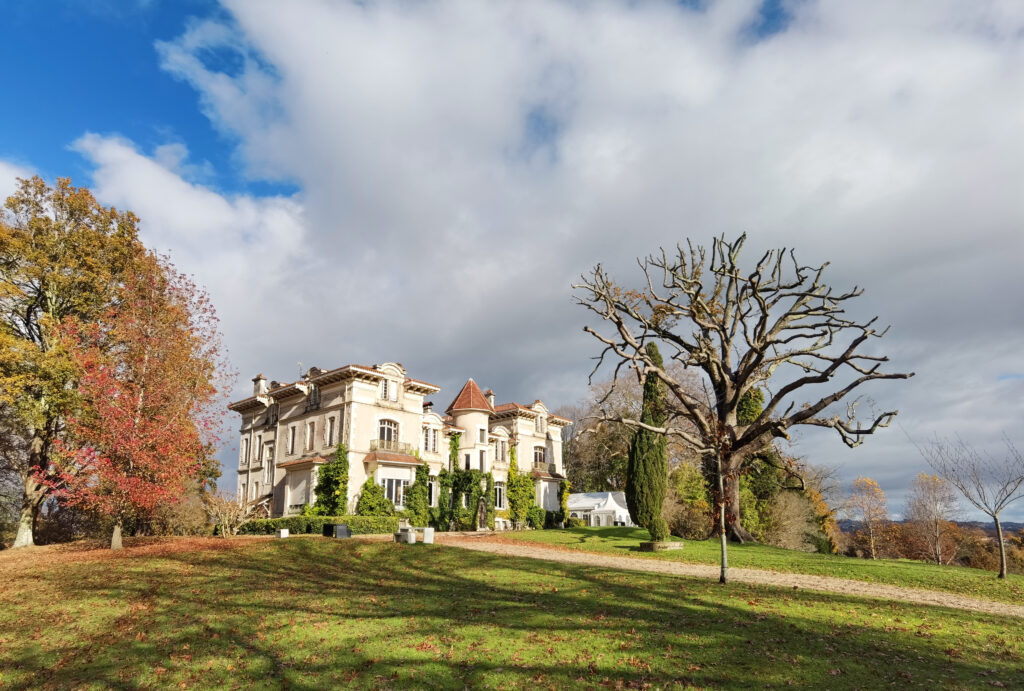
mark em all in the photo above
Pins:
pixel 392 446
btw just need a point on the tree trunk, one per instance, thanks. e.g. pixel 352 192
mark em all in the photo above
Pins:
pixel 115 537
pixel 723 577
pixel 24 538
pixel 734 526
pixel 31 499
pixel 1002 547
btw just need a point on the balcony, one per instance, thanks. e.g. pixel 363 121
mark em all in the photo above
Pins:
pixel 393 446
pixel 545 467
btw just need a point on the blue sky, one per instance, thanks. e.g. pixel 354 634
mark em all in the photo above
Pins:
pixel 422 182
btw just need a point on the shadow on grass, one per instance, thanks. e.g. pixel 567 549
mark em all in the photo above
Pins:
pixel 313 613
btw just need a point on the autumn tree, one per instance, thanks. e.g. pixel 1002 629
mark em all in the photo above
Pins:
pixel 931 510
pixel 866 505
pixel 989 483
pixel 229 512
pixel 148 368
pixel 62 256
pixel 776 326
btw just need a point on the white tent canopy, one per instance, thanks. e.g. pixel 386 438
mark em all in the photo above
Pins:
pixel 600 508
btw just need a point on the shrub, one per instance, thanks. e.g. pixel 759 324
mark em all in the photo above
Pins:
pixel 658 529
pixel 304 525
pixel 536 517
pixel 573 522
pixel 373 501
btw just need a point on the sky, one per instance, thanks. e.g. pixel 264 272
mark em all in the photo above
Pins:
pixel 363 182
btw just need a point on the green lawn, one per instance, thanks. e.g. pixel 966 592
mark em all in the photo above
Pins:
pixel 913 574
pixel 318 613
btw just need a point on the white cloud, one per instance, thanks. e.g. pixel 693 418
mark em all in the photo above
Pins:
pixel 460 162
pixel 9 174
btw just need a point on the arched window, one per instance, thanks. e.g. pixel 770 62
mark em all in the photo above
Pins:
pixel 538 455
pixel 387 433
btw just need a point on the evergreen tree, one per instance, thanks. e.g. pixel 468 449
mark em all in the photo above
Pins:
pixel 647 470
pixel 332 485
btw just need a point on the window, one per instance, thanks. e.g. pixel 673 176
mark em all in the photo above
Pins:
pixel 255 490
pixel 245 450
pixel 482 436
pixel 291 440
pixel 539 424
pixel 395 490
pixel 432 492
pixel 504 450
pixel 483 459
pixel 426 439
pixel 467 461
pixel 310 434
pixel 331 423
pixel 272 412
pixel 268 472
pixel 259 447
pixel 538 455
pixel 384 390
pixel 313 399
pixel 499 495
pixel 388 431
pixel 244 494
pixel 433 440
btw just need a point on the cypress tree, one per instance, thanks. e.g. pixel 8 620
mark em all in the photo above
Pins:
pixel 647 468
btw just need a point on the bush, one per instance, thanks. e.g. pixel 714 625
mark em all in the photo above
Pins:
pixel 553 519
pixel 373 501
pixel 536 517
pixel 658 529
pixel 573 522
pixel 304 525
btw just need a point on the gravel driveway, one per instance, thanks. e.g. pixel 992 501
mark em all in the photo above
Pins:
pixel 776 578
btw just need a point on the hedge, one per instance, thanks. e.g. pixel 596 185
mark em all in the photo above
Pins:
pixel 298 525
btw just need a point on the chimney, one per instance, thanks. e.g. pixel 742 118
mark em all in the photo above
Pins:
pixel 428 406
pixel 489 395
pixel 259 385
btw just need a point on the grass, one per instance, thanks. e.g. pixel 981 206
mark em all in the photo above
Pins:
pixel 902 572
pixel 319 613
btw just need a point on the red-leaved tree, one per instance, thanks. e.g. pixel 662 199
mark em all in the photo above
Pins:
pixel 149 372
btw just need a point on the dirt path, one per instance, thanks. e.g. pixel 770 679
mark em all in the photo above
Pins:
pixel 790 580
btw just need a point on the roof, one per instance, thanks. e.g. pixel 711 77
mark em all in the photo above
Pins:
pixel 584 501
pixel 389 457
pixel 315 460
pixel 327 377
pixel 519 408
pixel 470 398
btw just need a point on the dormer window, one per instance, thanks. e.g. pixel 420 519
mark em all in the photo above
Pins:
pixel 384 390
pixel 539 425
pixel 313 399
pixel 272 413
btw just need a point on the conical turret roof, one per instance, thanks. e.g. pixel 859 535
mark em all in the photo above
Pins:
pixel 470 398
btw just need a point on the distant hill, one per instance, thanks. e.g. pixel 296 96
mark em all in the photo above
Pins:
pixel 1009 527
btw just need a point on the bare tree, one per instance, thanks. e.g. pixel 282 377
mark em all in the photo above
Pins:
pixel 776 327
pixel 931 509
pixel 229 512
pixel 990 484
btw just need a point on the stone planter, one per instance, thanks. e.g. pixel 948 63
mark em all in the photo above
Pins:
pixel 282 532
pixel 659 546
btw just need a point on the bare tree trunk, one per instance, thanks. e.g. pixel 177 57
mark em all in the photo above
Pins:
pixel 1002 547
pixel 115 537
pixel 871 539
pixel 938 541
pixel 31 498
pixel 723 578
pixel 24 538
pixel 734 525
